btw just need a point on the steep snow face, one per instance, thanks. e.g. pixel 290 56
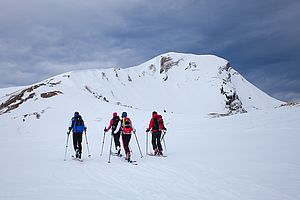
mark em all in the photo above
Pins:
pixel 172 82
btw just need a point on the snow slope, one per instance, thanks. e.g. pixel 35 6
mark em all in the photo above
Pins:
pixel 254 155
pixel 249 156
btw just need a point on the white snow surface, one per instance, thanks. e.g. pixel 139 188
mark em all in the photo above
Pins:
pixel 254 155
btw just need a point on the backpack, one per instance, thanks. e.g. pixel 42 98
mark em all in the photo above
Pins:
pixel 127 126
pixel 160 122
pixel 114 125
pixel 78 124
pixel 155 126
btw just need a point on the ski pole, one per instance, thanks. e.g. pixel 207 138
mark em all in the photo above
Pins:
pixel 163 139
pixel 165 146
pixel 138 144
pixel 146 143
pixel 103 139
pixel 67 146
pixel 110 148
pixel 164 133
pixel 87 144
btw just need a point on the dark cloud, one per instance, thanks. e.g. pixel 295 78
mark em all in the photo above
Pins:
pixel 39 39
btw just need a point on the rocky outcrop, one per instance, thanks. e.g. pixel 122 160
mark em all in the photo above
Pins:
pixel 166 63
pixel 95 94
pixel 50 94
pixel 232 102
pixel 20 97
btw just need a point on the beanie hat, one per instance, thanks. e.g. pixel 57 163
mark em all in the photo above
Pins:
pixel 154 113
pixel 124 114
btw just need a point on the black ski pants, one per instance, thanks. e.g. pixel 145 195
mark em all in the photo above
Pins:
pixel 126 139
pixel 77 140
pixel 117 139
pixel 156 136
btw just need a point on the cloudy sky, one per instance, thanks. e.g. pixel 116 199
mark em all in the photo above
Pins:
pixel 42 38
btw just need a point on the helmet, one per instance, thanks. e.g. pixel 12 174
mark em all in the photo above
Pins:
pixel 76 113
pixel 115 114
pixel 124 114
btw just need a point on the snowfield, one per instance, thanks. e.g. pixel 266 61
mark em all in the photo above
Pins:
pixel 245 156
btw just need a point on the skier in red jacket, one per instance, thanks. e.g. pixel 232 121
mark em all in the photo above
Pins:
pixel 156 126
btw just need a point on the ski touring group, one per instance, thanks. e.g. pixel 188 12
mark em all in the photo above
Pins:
pixel 121 130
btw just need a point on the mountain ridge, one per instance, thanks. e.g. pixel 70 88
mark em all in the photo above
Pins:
pixel 171 82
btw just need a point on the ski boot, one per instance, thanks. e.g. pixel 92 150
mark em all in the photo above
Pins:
pixel 160 153
pixel 77 153
pixel 127 157
pixel 118 150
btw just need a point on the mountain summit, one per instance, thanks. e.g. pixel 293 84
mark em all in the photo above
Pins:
pixel 171 82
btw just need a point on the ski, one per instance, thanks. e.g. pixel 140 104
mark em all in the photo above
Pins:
pixel 78 159
pixel 133 162
pixel 123 158
pixel 150 154
pixel 117 155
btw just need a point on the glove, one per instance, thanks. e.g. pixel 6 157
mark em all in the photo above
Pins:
pixel 70 128
pixel 85 128
pixel 165 128
pixel 147 130
pixel 105 130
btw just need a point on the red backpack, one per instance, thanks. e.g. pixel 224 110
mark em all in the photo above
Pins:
pixel 127 126
pixel 160 122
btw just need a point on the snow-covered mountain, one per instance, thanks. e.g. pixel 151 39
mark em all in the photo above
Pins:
pixel 172 82
pixel 249 156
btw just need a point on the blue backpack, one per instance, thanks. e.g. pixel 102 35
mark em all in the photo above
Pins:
pixel 78 124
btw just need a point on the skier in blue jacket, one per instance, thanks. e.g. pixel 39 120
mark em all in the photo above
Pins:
pixel 77 126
